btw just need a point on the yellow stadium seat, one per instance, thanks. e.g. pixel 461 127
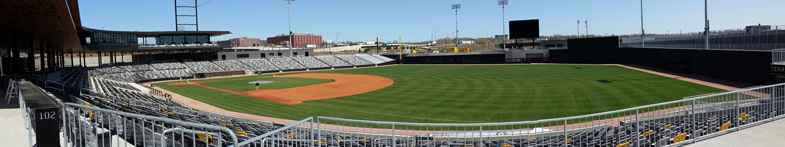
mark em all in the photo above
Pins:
pixel 208 138
pixel 646 134
pixel 666 127
pixel 744 117
pixel 569 140
pixel 679 138
pixel 724 126
pixel 626 144
pixel 241 133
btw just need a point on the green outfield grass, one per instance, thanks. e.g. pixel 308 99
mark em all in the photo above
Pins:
pixel 242 85
pixel 474 93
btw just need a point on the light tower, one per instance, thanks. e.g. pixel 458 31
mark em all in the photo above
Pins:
pixel 503 3
pixel 289 11
pixel 456 7
pixel 178 24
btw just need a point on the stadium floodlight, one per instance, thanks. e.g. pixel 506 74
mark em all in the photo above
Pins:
pixel 706 19
pixel 643 33
pixel 456 7
pixel 503 3
pixel 289 11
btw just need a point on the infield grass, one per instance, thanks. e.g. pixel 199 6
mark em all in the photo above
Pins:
pixel 474 93
pixel 242 84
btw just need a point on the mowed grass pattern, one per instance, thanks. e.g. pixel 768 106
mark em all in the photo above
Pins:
pixel 474 93
pixel 242 85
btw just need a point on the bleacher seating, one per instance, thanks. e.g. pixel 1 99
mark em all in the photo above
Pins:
pixel 174 73
pixel 147 75
pixel 136 68
pixel 285 63
pixel 383 58
pixel 310 62
pixel 260 64
pixel 333 61
pixel 370 58
pixel 106 70
pixel 232 65
pixel 354 60
pixel 203 67
pixel 168 66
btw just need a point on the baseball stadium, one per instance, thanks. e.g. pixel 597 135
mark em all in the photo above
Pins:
pixel 74 86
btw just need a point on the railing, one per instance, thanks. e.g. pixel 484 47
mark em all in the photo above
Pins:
pixel 93 126
pixel 778 56
pixel 157 92
pixel 663 124
pixel 300 133
pixel 735 39
pixel 13 91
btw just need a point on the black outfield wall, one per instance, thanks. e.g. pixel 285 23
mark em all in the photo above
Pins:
pixel 591 50
pixel 744 66
pixel 736 65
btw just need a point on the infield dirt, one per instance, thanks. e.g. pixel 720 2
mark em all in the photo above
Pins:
pixel 344 85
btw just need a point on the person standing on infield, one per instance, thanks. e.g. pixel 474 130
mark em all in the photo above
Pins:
pixel 257 86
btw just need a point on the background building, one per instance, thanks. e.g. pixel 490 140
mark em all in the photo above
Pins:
pixel 243 42
pixel 299 40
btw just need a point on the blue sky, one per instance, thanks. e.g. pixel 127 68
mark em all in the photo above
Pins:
pixel 417 20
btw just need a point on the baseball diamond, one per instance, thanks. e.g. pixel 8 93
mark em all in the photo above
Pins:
pixel 457 93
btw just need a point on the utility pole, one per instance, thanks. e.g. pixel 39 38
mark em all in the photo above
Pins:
pixel 706 16
pixel 504 35
pixel 288 9
pixel 643 33
pixel 456 7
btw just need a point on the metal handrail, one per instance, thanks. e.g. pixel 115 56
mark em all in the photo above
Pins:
pixel 265 135
pixel 161 119
pixel 545 120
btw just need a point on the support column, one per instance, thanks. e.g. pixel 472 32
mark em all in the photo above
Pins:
pixel 15 68
pixel 84 59
pixel 49 57
pixel 62 58
pixel 31 55
pixel 72 58
pixel 41 56
pixel 99 59
pixel 8 54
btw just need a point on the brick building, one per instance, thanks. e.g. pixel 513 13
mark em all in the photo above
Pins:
pixel 244 42
pixel 299 40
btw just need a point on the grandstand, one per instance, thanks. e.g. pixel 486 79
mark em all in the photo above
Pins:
pixel 310 62
pixel 232 65
pixel 260 65
pixel 285 63
pixel 333 61
pixel 203 67
pixel 354 60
